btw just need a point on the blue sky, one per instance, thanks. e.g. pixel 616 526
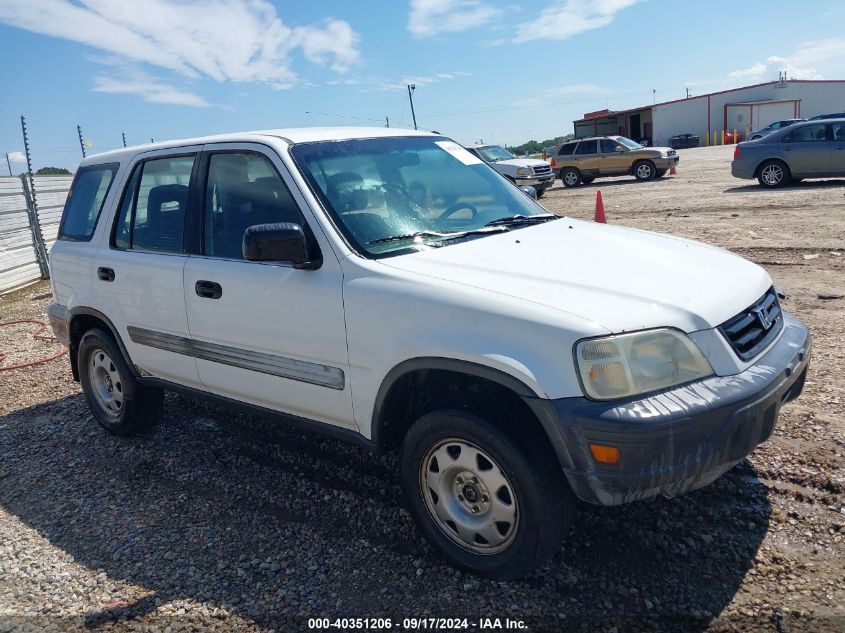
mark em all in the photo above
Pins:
pixel 504 72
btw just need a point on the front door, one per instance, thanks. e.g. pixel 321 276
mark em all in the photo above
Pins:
pixel 807 150
pixel 139 283
pixel 614 161
pixel 264 333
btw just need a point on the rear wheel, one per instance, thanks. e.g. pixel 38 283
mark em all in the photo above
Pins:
pixel 118 402
pixel 773 173
pixel 571 177
pixel 479 498
pixel 644 170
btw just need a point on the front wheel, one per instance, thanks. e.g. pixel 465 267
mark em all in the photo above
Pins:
pixel 118 402
pixel 645 170
pixel 480 499
pixel 773 173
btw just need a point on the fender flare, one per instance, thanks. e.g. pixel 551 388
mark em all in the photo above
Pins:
pixel 449 364
pixel 87 311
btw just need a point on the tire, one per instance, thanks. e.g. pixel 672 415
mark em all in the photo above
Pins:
pixel 540 191
pixel 570 177
pixel 532 525
pixel 644 170
pixel 587 179
pixel 118 402
pixel 773 173
pixel 660 173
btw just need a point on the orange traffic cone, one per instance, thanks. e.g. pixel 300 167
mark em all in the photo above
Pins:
pixel 673 171
pixel 600 209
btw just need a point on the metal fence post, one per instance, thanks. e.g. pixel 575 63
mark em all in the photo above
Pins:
pixel 35 227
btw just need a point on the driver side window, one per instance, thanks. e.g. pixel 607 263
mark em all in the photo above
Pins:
pixel 243 189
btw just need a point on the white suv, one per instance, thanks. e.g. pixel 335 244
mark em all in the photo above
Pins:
pixel 389 288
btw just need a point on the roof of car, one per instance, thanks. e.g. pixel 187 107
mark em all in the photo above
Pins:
pixel 289 135
pixel 592 138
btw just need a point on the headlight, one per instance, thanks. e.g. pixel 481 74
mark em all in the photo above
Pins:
pixel 524 171
pixel 630 364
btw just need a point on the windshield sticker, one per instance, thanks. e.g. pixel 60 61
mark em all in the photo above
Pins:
pixel 467 158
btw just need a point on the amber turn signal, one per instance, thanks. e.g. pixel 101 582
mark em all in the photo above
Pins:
pixel 605 454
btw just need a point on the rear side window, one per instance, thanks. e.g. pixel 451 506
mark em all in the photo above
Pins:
pixel 152 213
pixel 588 147
pixel 807 133
pixel 567 150
pixel 85 201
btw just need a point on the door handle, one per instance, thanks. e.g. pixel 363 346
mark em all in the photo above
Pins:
pixel 208 289
pixel 105 274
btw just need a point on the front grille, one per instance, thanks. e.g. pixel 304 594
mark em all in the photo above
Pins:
pixel 754 328
pixel 543 170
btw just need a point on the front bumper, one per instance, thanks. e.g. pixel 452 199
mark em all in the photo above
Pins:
pixel 667 162
pixel 537 181
pixel 681 439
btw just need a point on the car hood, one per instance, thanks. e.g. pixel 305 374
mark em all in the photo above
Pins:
pixel 522 162
pixel 652 151
pixel 622 279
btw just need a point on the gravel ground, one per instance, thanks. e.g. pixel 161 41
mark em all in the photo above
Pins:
pixel 219 521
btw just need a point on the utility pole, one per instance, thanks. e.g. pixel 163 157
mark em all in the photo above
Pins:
pixel 81 142
pixel 123 134
pixel 8 163
pixel 411 88
pixel 152 140
pixel 386 121
pixel 687 93
pixel 654 96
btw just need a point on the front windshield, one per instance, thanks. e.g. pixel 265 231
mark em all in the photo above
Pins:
pixel 428 191
pixel 629 143
pixel 492 153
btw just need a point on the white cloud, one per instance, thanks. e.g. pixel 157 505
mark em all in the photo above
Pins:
pixel 17 157
pixel 225 40
pixel 553 94
pixel 382 84
pixel 568 18
pixel 814 59
pixel 429 18
pixel 134 82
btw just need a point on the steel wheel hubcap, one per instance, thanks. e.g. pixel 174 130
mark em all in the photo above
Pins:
pixel 105 382
pixel 772 174
pixel 469 497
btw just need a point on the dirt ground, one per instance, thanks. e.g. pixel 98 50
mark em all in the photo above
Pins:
pixel 219 521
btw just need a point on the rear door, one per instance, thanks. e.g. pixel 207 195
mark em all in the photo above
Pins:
pixel 264 332
pixel 586 157
pixel 807 149
pixel 138 278
pixel 837 149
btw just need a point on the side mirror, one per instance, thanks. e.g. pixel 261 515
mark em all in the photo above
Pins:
pixel 278 242
pixel 529 191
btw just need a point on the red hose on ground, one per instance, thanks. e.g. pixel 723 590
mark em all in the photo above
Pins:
pixel 37 334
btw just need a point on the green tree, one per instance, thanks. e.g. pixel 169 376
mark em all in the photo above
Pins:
pixel 52 171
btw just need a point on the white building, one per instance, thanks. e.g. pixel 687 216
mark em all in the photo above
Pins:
pixel 744 109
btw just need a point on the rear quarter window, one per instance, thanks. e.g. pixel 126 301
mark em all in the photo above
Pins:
pixel 567 150
pixel 85 201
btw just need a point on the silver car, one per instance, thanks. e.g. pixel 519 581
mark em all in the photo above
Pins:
pixel 773 127
pixel 813 149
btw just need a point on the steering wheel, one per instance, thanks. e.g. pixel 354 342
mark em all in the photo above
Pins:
pixel 453 209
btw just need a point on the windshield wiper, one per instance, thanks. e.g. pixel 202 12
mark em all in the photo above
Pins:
pixel 451 235
pixel 522 219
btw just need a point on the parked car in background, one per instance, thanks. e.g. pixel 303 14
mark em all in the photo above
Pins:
pixel 773 127
pixel 832 115
pixel 520 171
pixel 683 141
pixel 388 288
pixel 812 149
pixel 584 160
